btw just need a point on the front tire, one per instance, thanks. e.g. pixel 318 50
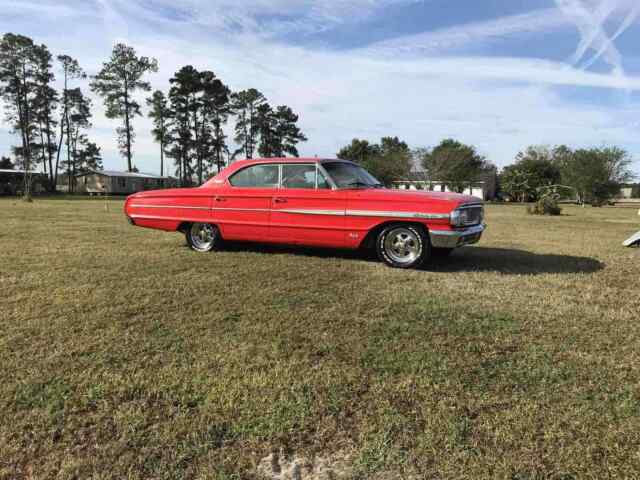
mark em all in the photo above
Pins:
pixel 403 246
pixel 203 237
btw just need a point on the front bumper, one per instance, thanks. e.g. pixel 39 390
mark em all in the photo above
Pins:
pixel 456 238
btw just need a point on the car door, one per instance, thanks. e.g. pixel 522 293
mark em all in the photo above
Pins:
pixel 306 210
pixel 241 208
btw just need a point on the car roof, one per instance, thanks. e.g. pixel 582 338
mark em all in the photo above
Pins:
pixel 286 160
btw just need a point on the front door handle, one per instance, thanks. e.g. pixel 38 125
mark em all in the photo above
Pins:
pixel 280 200
pixel 221 199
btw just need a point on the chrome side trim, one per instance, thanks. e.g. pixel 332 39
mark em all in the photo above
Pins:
pixel 302 211
pixel 241 209
pixel 417 215
pixel 172 219
pixel 456 238
pixel 139 205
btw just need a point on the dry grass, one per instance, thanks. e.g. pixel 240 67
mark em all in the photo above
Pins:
pixel 125 355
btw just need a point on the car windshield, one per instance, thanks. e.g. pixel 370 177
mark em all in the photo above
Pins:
pixel 348 175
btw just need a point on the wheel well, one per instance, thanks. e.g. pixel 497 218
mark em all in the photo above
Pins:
pixel 183 227
pixel 369 241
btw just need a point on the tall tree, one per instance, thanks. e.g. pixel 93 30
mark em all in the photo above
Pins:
pixel 455 164
pixel 247 129
pixel 88 155
pixel 79 120
pixel 117 82
pixel 216 108
pixel 71 70
pixel 279 132
pixel 45 106
pixel 160 113
pixel 200 107
pixel 266 122
pixel 185 86
pixel 19 61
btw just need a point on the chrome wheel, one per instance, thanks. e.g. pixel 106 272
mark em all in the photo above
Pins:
pixel 202 236
pixel 403 245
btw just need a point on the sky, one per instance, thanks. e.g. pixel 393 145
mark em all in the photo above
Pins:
pixel 498 74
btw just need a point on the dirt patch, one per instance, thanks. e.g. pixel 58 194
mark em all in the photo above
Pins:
pixel 279 466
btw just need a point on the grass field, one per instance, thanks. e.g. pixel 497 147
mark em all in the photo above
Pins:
pixel 125 355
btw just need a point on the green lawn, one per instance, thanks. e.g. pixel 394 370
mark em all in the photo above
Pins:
pixel 125 355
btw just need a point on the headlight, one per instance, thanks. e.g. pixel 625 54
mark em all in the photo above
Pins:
pixel 459 217
pixel 466 216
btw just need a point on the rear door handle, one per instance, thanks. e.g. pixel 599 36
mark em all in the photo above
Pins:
pixel 221 199
pixel 280 200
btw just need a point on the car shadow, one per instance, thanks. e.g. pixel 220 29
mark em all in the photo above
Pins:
pixel 512 261
pixel 507 261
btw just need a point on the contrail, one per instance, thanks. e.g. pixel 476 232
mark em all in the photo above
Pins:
pixel 590 24
pixel 627 22
pixel 592 28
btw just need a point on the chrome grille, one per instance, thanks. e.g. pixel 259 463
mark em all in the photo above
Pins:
pixel 473 215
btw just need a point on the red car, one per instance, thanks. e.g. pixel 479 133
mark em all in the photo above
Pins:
pixel 309 201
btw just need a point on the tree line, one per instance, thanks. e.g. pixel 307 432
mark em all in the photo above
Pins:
pixel 189 119
pixel 189 124
pixel 52 124
pixel 451 163
pixel 589 175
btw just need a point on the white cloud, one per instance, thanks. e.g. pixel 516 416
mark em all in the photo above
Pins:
pixel 499 104
pixel 536 21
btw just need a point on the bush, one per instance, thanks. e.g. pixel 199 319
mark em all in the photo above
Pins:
pixel 547 205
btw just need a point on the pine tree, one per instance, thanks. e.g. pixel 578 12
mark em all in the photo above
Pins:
pixel 71 70
pixel 161 115
pixel 88 156
pixel 216 108
pixel 182 137
pixel 79 115
pixel 117 82
pixel 287 132
pixel 267 129
pixel 245 104
pixel 46 104
pixel 19 61
pixel 279 132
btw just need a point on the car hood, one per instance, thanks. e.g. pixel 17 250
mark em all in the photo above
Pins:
pixel 419 196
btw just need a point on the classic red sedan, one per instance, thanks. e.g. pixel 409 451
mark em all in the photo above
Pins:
pixel 315 202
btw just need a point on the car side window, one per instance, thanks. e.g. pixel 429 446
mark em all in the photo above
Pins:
pixel 298 176
pixel 257 176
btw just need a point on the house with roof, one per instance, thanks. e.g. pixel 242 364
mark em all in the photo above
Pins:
pixel 629 191
pixel 112 182
pixel 483 187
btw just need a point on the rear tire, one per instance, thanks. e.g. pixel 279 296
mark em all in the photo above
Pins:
pixel 403 246
pixel 203 237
